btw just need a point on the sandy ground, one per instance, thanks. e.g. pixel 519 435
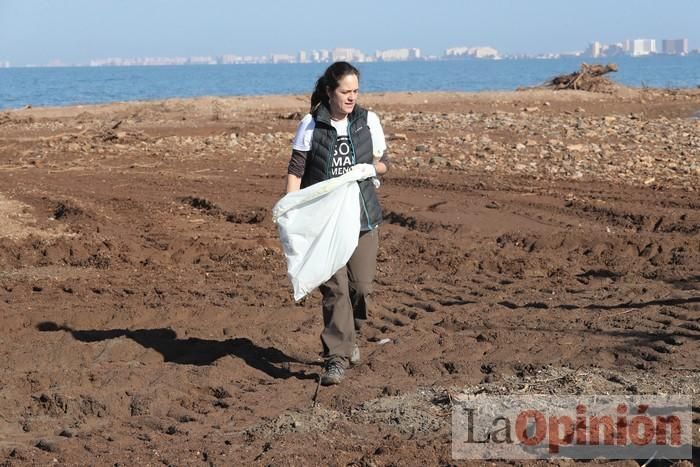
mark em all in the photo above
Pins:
pixel 534 242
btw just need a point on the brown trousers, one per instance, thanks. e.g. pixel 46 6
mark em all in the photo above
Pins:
pixel 345 298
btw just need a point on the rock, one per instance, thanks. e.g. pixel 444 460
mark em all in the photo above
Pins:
pixel 520 147
pixel 269 138
pixel 397 137
pixel 422 148
pixel 420 161
pixel 531 109
pixel 181 415
pixel 220 392
pixel 439 161
pixel 221 403
pixel 46 445
pixel 576 147
pixel 139 406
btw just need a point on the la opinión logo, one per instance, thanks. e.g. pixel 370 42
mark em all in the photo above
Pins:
pixel 616 427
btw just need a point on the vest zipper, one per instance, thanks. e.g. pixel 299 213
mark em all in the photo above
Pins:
pixel 354 161
pixel 352 146
pixel 329 163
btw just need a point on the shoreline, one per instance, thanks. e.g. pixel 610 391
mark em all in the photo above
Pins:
pixel 147 84
pixel 409 98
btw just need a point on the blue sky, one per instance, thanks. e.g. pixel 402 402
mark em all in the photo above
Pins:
pixel 75 31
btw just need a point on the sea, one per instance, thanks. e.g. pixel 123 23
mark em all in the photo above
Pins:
pixel 20 87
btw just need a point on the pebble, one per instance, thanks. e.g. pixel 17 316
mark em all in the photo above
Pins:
pixel 421 148
pixel 46 445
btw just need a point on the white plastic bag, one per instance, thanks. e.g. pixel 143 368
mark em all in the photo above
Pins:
pixel 319 227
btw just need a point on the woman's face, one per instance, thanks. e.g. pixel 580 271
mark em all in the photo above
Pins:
pixel 344 97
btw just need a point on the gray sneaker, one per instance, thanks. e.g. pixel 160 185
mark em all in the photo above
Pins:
pixel 333 372
pixel 355 357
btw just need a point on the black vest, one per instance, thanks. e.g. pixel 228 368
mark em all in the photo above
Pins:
pixel 318 161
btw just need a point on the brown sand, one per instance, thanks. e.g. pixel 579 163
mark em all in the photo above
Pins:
pixel 534 242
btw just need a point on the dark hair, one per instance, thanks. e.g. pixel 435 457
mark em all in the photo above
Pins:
pixel 329 81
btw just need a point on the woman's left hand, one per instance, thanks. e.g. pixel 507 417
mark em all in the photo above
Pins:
pixel 380 167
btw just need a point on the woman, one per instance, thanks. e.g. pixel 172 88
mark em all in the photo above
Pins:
pixel 334 136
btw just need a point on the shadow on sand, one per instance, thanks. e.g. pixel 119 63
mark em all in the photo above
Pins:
pixel 193 351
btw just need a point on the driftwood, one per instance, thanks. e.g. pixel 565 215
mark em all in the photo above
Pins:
pixel 588 78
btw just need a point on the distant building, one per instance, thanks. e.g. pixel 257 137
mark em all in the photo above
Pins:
pixel 282 58
pixel 641 47
pixel 472 52
pixel 674 46
pixel 302 57
pixel 229 59
pixel 595 50
pixel 347 55
pixel 614 50
pixel 627 46
pixel 203 60
pixel 106 62
pixel 4 64
pixel 398 54
pixel 571 53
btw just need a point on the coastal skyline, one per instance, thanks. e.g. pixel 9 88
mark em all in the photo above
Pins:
pixel 628 47
pixel 40 32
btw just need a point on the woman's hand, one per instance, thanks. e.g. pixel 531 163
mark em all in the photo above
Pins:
pixel 380 167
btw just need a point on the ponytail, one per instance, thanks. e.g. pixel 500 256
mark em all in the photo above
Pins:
pixel 328 82
pixel 319 96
